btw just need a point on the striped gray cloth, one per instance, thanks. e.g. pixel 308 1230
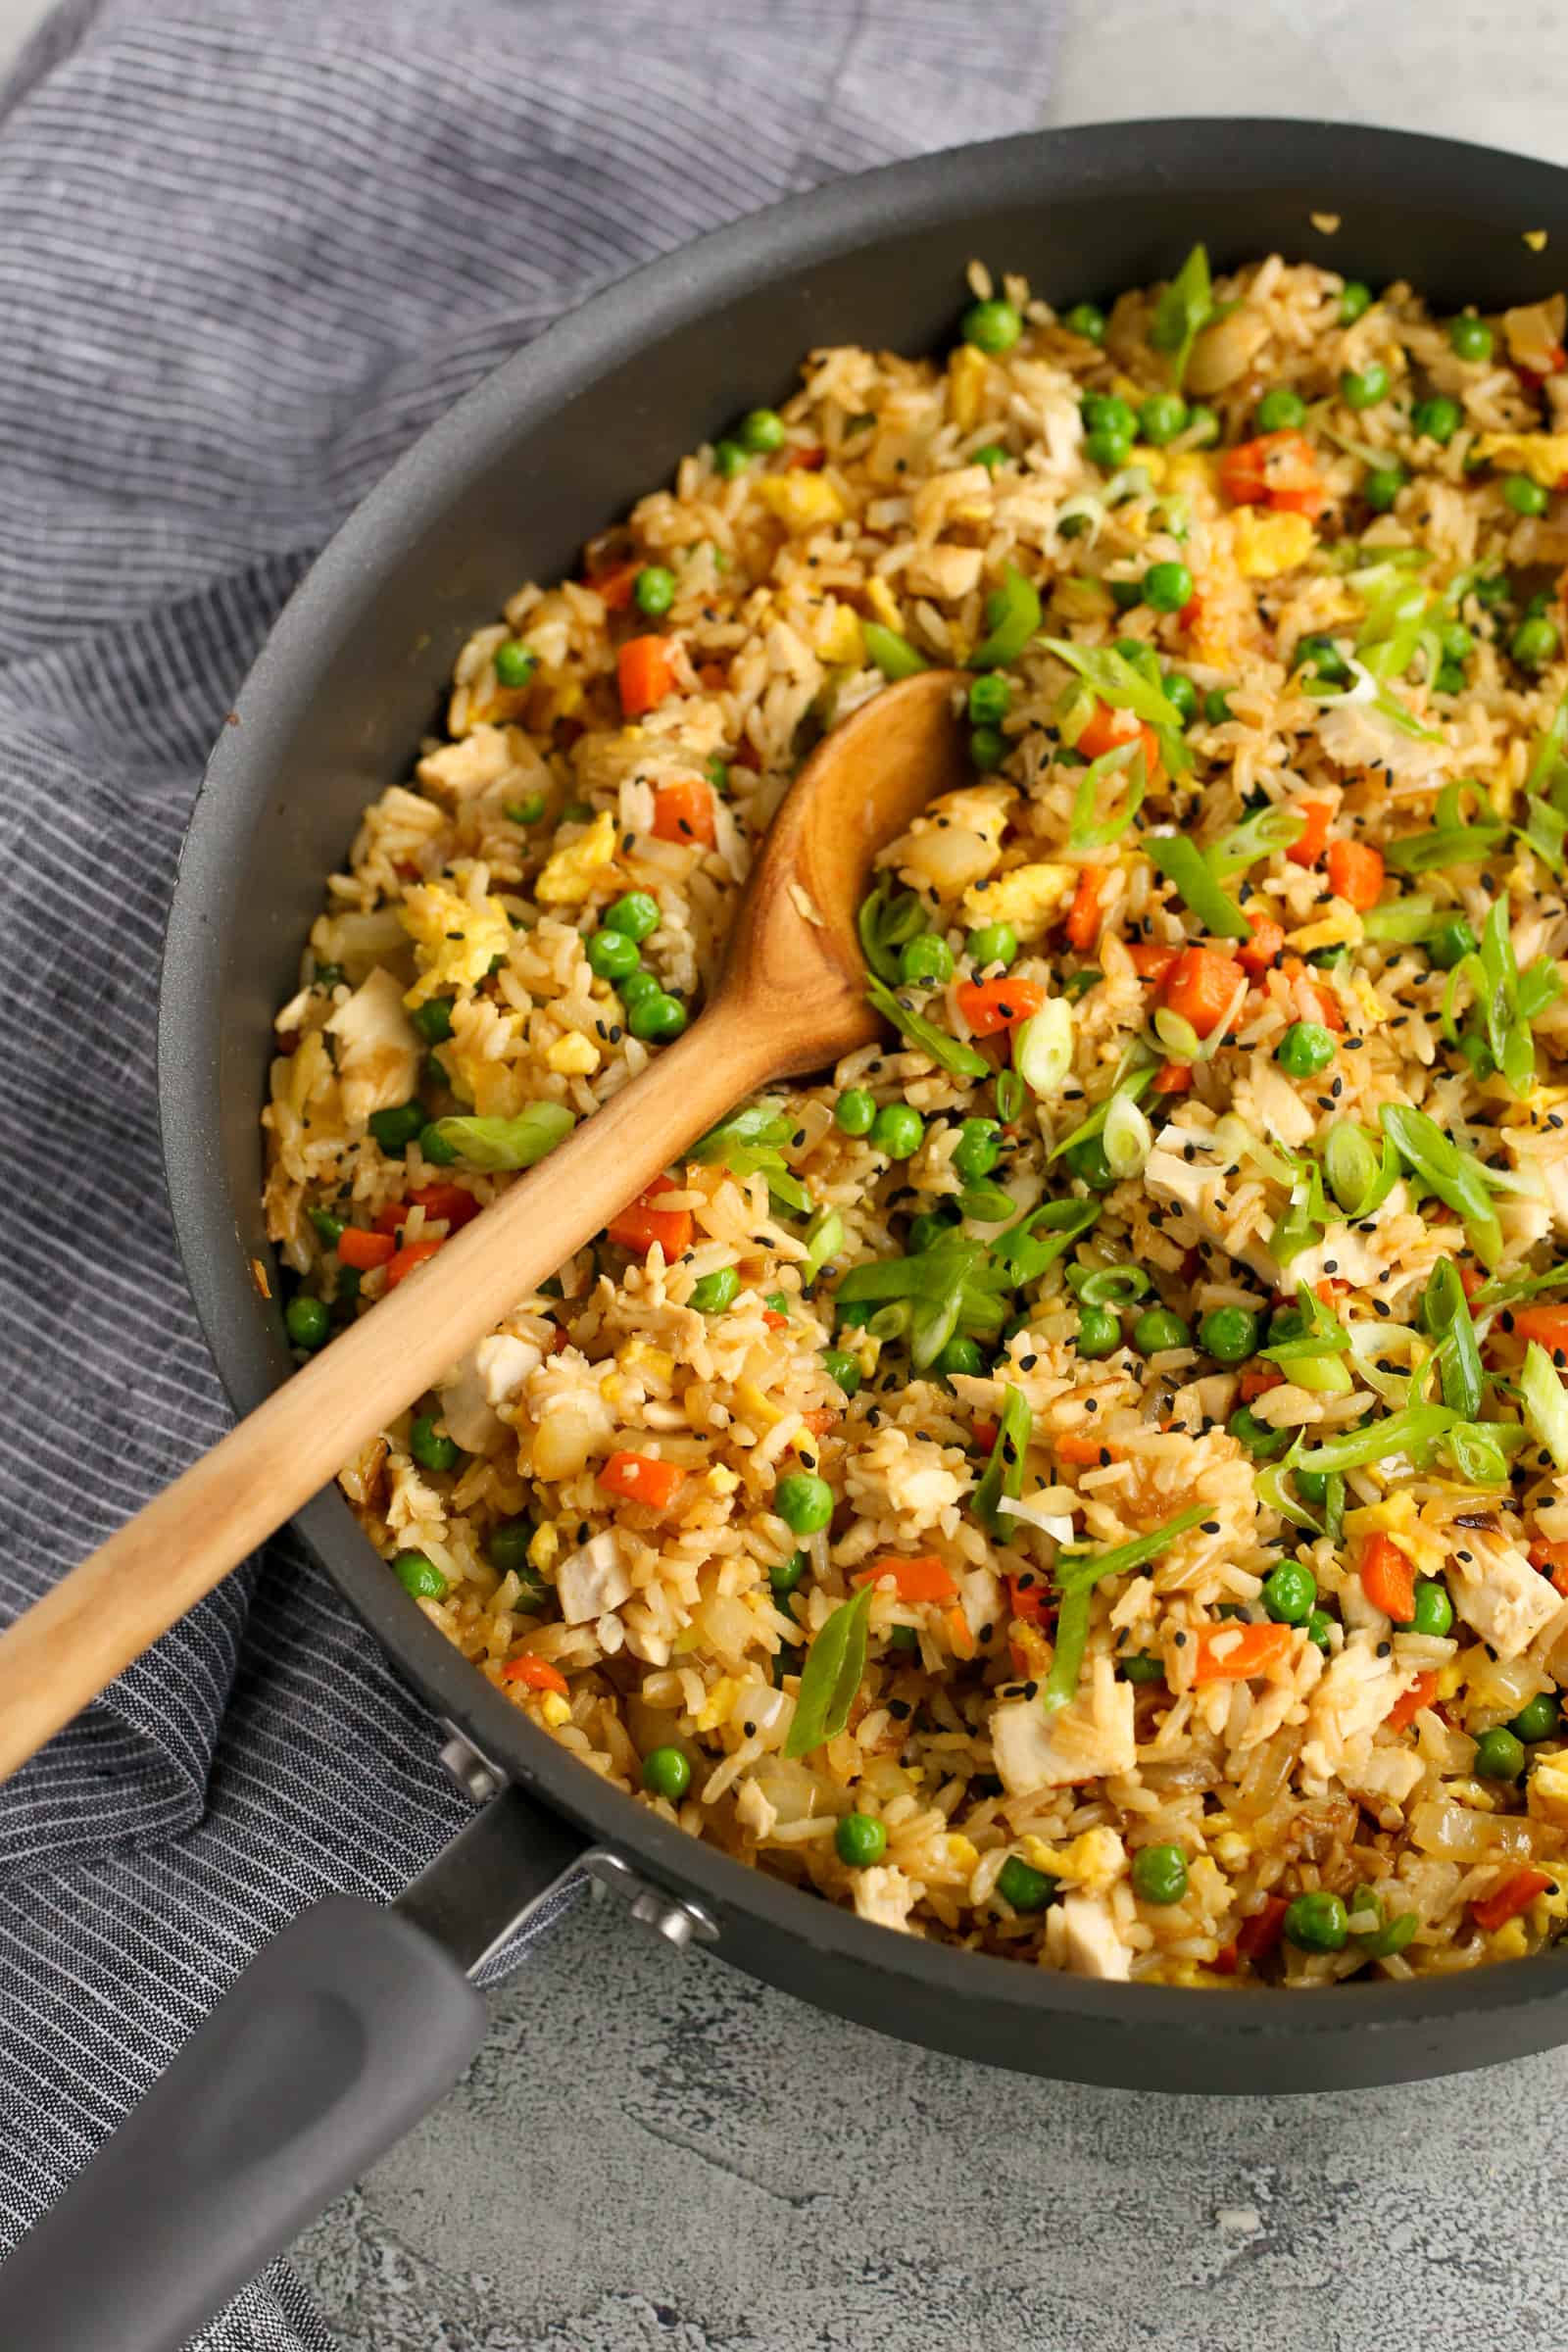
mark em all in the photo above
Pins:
pixel 250 251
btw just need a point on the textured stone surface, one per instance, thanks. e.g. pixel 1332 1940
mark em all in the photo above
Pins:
pixel 653 2152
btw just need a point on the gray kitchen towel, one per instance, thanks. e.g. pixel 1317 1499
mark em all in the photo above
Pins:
pixel 248 248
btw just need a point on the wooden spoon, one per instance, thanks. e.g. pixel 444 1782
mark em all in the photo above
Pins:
pixel 791 998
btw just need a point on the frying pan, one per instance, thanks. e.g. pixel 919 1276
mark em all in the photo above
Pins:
pixel 355 2020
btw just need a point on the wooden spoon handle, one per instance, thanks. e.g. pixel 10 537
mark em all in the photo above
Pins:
pixel 70 1645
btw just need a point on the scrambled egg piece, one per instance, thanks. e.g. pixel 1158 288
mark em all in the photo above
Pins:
pixel 1543 456
pixel 1269 544
pixel 456 938
pixel 1343 928
pixel 883 602
pixel 1095 1861
pixel 717 1704
pixel 571 875
pixel 802 502
pixel 1396 1518
pixel 840 640
pixel 1153 462
pixel 1028 898
pixel 573 1056
pixel 556 1709
pixel 966 383
pixel 1547 1796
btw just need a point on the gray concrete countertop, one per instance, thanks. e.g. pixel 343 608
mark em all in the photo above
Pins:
pixel 654 2152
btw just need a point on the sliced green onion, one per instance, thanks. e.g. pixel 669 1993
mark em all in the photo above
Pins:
pixel 1135 1082
pixel 1181 864
pixel 885 921
pixel 1350 1162
pixel 1259 837
pixel 1177 1034
pixel 1002 1476
pixel 494 1144
pixel 1442 1168
pixel 1128 1138
pixel 1108 1286
pixel 895 657
pixel 1077 1574
pixel 826 1237
pixel 1545 1403
pixel 1042 1048
pixel 1013 615
pixel 1404 921
pixel 830 1677
pixel 1085 833
pixel 961 1059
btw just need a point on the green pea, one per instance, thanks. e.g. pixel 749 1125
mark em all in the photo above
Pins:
pixel 1099 1332
pixel 761 430
pixel 785 1575
pixel 1433 1610
pixel 1162 417
pixel 1500 1755
pixel 1317 1923
pixel 637 988
pixel 1305 1048
pixel 395 1130
pixel 903 1637
pixel 1228 1334
pixel 978 1149
pixel 307 1320
pixel 1537 1719
pixel 1363 388
pixel 429 1448
pixel 960 1355
pixel 896 1129
pixel 1324 659
pixel 1280 408
pixel 419 1576
pixel 1469 339
pixel 330 1229
pixel 1108 451
pixel 1086 319
pixel 992 944
pixel 1168 587
pixel 653 590
pixel 729 459
pixel 1533 643
pixel 859 1839
pixel 667 1773
pixel 1263 1443
pixel 1108 412
pixel 1526 497
pixel 1142 1667
pixel 636 914
pixel 990 327
pixel 804 1501
pixel 433 1020
pixel 1317 1631
pixel 1450 943
pixel 1459 642
pixel 1381 487
pixel 988 748
pixel 991 457
pixel 717 771
pixel 854 1111
pixel 989 700
pixel 842 1369
pixel 1023 1886
pixel 526 812
pixel 1159 1873
pixel 506 1545
pixel 1202 425
pixel 1088 1162
pixel 1160 1327
pixel 1181 694
pixel 1289 1593
pixel 712 1293
pixel 613 956
pixel 515 665
pixel 1216 707
pixel 1126 595
pixel 1355 300
pixel 925 961
pixel 1437 418
pixel 658 1019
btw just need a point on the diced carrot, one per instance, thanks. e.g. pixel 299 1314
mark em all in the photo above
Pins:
pixel 1199 987
pixel 1030 1601
pixel 1148 960
pixel 683 811
pixel 643 1478
pixel 985 1435
pixel 810 460
pixel 1471 1280
pixel 1173 1078
pixel 645 670
pixel 452 1203
pixel 637 1227
pixel 774 1320
pixel 713 676
pixel 1355 872
pixel 1263 949
pixel 1081 1448
pixel 616 584
pixel 1191 612
pixel 1106 730
pixel 388 1219
pixel 1309 845
pixel 1516 1893
pixel 1545 1324
pixel 537 1674
pixel 1408 1705
pixel 412 1254
pixel 992 1005
pixel 1259 1933
pixel 1258 1379
pixel 1276 470
pixel 363 1251
pixel 1226 1960
pixel 959 1632
pixel 820 1420
pixel 1083 920
pixel 925 1577
pixel 1322 1004
pixel 1552 1560
pixel 1331 1288
pixel 1244 1651
pixel 1387 1579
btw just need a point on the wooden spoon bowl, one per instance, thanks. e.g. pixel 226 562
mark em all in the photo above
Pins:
pixel 791 998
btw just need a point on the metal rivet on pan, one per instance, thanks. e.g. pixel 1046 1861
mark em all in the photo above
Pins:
pixel 678 1921
pixel 473 1774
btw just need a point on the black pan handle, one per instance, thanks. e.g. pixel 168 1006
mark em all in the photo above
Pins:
pixel 341 2034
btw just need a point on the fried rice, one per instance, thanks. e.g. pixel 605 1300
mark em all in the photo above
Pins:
pixel 1084 1479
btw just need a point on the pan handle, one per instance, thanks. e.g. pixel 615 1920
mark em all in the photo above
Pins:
pixel 341 2034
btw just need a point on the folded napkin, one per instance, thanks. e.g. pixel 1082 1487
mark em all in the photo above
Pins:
pixel 250 251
